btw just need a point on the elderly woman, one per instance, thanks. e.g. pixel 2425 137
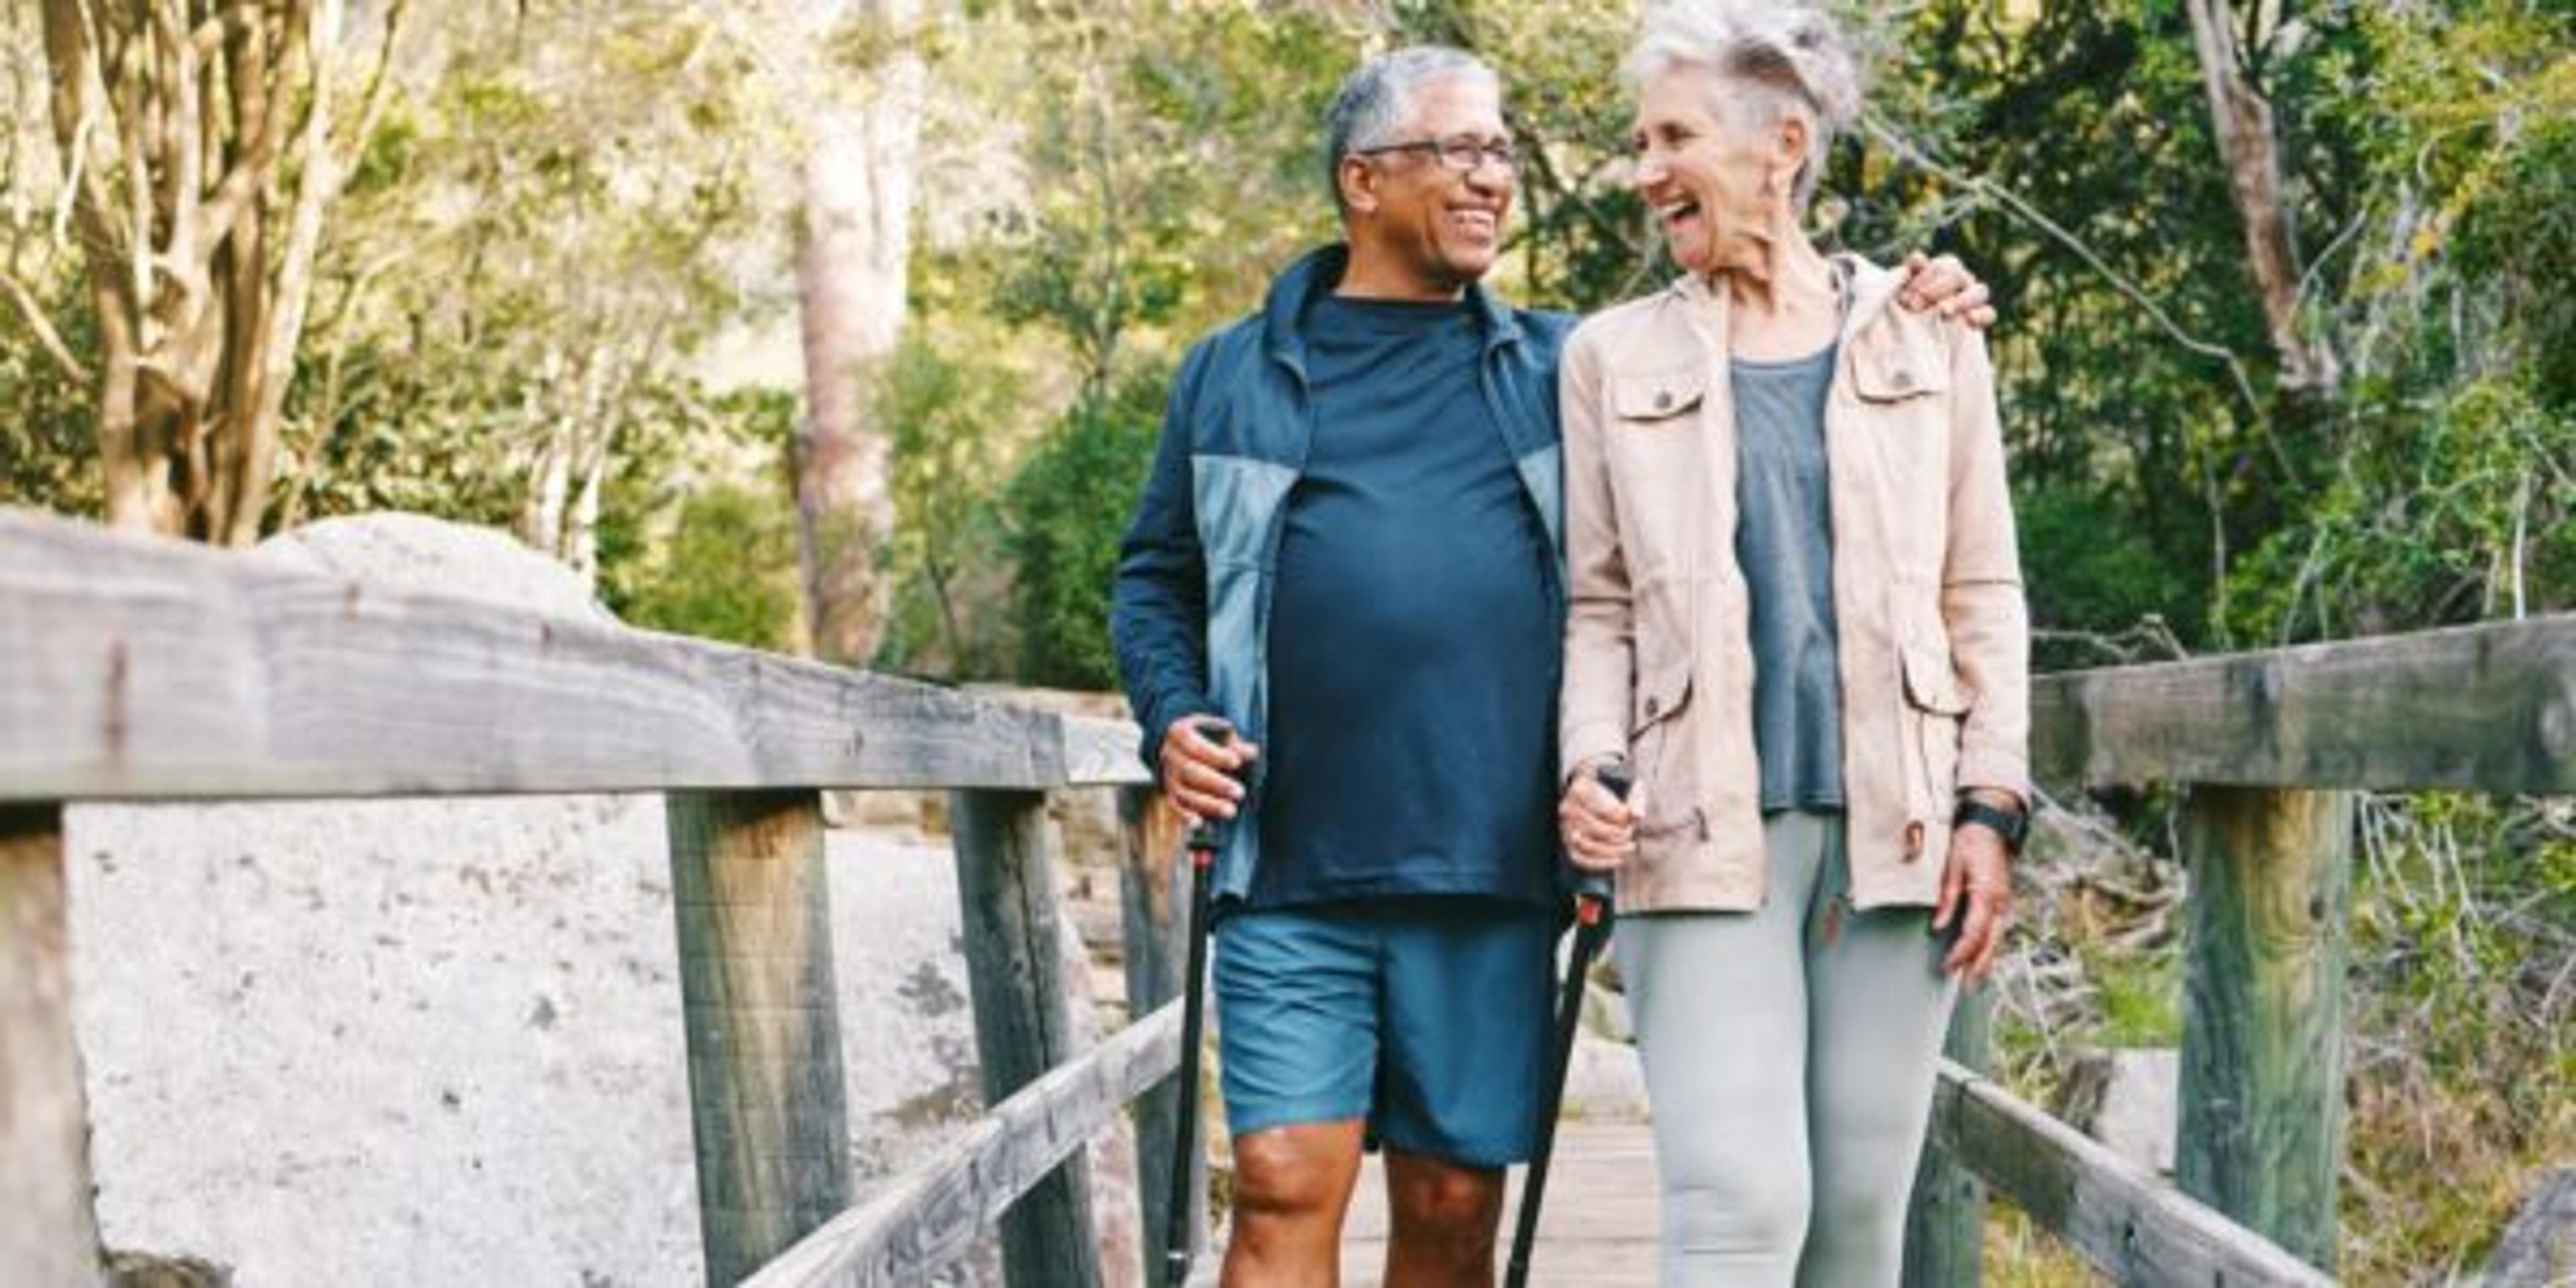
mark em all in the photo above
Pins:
pixel 1797 616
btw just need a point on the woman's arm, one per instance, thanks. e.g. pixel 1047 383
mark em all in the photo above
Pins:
pixel 1593 716
pixel 1981 590
pixel 1598 828
pixel 1981 604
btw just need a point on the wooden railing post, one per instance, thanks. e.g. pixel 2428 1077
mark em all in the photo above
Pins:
pixel 2261 1131
pixel 765 1083
pixel 1945 1226
pixel 48 1235
pixel 1153 888
pixel 1023 1013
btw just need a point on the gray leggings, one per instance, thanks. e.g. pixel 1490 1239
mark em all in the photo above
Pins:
pixel 1789 1058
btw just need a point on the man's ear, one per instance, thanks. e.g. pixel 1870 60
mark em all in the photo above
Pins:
pixel 1358 182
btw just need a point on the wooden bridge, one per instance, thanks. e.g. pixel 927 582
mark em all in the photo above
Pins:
pixel 144 670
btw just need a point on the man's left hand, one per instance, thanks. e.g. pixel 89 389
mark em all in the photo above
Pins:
pixel 1945 286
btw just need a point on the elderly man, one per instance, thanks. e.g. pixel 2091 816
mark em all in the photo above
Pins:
pixel 1349 551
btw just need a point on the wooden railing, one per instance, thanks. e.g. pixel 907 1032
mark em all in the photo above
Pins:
pixel 147 670
pixel 2270 748
pixel 135 669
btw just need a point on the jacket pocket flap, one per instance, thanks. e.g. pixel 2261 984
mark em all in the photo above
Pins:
pixel 1930 684
pixel 1657 396
pixel 1893 375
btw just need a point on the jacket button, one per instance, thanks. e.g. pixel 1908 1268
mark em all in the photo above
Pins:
pixel 1653 708
pixel 1902 380
pixel 1663 400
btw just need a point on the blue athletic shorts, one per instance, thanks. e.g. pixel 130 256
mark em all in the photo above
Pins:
pixel 1427 1016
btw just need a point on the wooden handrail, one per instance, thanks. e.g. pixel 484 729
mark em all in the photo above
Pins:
pixel 932 1214
pixel 2126 1221
pixel 141 668
pixel 2487 708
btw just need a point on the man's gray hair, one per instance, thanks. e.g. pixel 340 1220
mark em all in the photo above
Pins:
pixel 1773 60
pixel 1373 101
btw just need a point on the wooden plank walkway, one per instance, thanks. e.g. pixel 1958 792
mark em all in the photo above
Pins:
pixel 1598 1231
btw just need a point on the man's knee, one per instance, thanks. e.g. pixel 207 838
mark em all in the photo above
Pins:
pixel 1292 1173
pixel 1462 1204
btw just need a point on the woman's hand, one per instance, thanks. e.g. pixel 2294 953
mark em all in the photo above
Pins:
pixel 1976 889
pixel 1599 829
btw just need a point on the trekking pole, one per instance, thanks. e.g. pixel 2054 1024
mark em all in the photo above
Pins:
pixel 1205 838
pixel 1592 917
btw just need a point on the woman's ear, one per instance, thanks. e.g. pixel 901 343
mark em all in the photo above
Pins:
pixel 1789 148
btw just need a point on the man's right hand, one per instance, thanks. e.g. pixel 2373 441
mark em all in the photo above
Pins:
pixel 1200 775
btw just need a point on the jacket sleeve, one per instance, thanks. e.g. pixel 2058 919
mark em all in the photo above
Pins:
pixel 1599 619
pixel 1981 589
pixel 1158 601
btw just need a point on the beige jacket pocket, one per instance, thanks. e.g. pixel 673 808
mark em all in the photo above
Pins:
pixel 1936 708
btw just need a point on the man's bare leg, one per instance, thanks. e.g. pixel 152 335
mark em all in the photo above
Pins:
pixel 1445 1218
pixel 1291 1187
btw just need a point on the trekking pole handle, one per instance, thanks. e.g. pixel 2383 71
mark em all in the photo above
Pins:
pixel 1205 839
pixel 1592 892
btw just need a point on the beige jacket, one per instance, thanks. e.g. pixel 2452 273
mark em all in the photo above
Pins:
pixel 1933 636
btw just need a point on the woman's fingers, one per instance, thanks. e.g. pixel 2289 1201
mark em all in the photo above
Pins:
pixel 1598 829
pixel 1988 913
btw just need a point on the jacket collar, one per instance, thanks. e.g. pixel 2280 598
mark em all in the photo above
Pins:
pixel 1316 273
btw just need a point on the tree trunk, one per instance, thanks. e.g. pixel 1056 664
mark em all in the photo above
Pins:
pixel 2250 147
pixel 858 211
pixel 199 241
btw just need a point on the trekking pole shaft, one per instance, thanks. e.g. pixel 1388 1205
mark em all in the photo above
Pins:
pixel 1176 1240
pixel 1592 917
pixel 1569 1018
pixel 1205 839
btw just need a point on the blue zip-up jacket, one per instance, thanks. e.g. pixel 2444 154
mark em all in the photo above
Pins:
pixel 1190 612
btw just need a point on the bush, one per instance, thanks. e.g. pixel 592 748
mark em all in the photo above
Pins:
pixel 1066 510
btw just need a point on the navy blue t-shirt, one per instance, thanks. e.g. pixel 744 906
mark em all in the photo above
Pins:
pixel 1411 739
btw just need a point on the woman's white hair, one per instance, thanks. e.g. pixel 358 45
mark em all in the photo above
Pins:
pixel 1774 59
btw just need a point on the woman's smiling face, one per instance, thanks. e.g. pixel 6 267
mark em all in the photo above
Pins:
pixel 1718 186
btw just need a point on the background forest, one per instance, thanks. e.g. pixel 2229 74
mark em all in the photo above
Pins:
pixel 2288 350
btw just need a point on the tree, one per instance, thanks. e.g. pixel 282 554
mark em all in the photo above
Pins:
pixel 858 185
pixel 204 148
pixel 2242 118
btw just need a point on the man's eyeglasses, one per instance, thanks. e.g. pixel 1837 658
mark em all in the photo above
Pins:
pixel 1462 153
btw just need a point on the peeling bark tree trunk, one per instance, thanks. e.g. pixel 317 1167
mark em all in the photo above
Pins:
pixel 858 210
pixel 2249 146
pixel 199 231
pixel 573 416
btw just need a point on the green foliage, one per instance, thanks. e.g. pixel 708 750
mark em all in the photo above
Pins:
pixel 2089 562
pixel 48 436
pixel 1068 508
pixel 2141 998
pixel 698 525
pixel 1171 168
pixel 720 575
pixel 2446 511
pixel 952 414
